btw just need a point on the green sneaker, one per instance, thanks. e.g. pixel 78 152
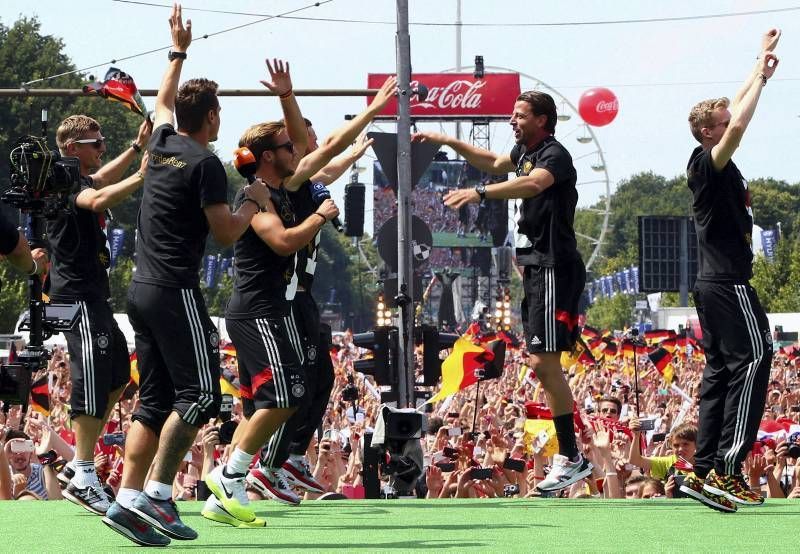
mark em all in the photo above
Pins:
pixel 694 487
pixel 231 494
pixel 215 511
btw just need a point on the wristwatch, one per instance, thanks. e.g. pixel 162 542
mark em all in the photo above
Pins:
pixel 176 55
pixel 480 188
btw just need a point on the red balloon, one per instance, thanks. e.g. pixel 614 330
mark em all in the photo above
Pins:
pixel 598 106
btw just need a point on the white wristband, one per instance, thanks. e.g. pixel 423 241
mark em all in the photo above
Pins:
pixel 35 267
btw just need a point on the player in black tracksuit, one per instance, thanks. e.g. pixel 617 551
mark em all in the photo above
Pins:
pixel 554 274
pixel 736 335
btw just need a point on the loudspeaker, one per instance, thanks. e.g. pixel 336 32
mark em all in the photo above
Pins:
pixel 354 194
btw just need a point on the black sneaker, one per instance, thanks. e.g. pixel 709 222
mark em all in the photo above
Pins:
pixel 91 497
pixel 132 527
pixel 163 515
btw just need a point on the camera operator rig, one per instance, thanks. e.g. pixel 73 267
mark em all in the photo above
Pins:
pixel 41 180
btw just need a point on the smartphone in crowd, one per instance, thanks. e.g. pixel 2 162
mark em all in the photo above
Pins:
pixel 113 439
pixel 454 432
pixel 446 466
pixel 226 431
pixel 514 464
pixel 21 446
pixel 451 452
pixel 480 473
pixel 659 437
pixel 647 424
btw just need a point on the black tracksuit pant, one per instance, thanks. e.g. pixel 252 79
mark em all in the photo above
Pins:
pixel 738 348
pixel 294 436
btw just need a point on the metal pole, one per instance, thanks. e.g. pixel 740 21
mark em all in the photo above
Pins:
pixel 683 284
pixel 405 373
pixel 458 60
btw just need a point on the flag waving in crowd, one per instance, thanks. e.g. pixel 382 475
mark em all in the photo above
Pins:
pixel 118 86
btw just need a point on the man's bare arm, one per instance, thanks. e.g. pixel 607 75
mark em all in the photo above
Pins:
pixel 181 39
pixel 485 160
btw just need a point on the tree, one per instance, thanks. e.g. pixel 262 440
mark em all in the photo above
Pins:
pixel 13 296
pixel 119 279
pixel 611 313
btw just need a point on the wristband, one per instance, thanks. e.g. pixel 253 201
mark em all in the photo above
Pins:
pixel 286 94
pixel 139 174
pixel 611 474
pixel 763 79
pixel 259 208
pixel 35 269
pixel 136 147
pixel 176 55
pixel 324 219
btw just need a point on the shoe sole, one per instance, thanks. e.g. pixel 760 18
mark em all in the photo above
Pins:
pixel 220 494
pixel 256 484
pixel 77 501
pixel 125 532
pixel 232 521
pixel 706 501
pixel 572 480
pixel 298 481
pixel 729 496
pixel 158 525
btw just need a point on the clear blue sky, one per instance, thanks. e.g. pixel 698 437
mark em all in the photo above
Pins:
pixel 650 132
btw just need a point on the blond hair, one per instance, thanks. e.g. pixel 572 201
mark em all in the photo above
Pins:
pixel 73 128
pixel 702 115
pixel 261 137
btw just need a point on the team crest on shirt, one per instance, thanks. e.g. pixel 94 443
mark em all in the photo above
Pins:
pixel 312 353
pixel 527 167
pixel 102 341
pixel 768 337
pixel 213 338
pixel 286 214
pixel 298 390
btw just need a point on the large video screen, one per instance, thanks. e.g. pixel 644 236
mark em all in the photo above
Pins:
pixel 455 233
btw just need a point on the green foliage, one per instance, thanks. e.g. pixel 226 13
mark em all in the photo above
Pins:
pixel 13 296
pixel 611 313
pixel 778 282
pixel 119 280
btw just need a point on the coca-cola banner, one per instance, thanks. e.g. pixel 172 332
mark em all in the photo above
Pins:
pixel 457 94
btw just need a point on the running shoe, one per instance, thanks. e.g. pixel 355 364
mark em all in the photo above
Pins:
pixel 564 473
pixel 694 487
pixel 231 493
pixel 298 473
pixel 215 511
pixel 163 515
pixel 132 527
pixel 271 483
pixel 734 488
pixel 92 497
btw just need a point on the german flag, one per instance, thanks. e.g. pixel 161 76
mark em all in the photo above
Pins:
pixel 657 335
pixel 668 344
pixel 118 86
pixel 662 359
pixel 628 350
pixel 134 369
pixel 610 350
pixel 460 368
pixel 589 333
pixel 40 395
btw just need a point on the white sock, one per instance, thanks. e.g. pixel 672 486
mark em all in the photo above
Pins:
pixel 125 497
pixel 85 473
pixel 159 491
pixel 239 462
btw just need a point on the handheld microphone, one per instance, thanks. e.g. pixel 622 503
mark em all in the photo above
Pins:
pixel 245 163
pixel 320 193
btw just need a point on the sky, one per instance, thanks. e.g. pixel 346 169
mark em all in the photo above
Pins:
pixel 657 70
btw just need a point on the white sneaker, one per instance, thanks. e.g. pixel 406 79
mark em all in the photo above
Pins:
pixel 564 473
pixel 231 493
pixel 270 483
pixel 215 511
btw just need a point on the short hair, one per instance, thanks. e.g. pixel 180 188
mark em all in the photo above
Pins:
pixel 685 431
pixel 541 104
pixel 16 434
pixel 195 98
pixel 261 137
pixel 73 128
pixel 702 115
pixel 636 480
pixel 651 481
pixel 614 400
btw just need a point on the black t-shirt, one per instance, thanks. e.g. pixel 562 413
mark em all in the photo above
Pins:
pixel 9 236
pixel 545 233
pixel 79 252
pixel 182 179
pixel 723 219
pixel 264 281
pixel 304 206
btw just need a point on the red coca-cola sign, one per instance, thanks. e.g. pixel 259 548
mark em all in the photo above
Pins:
pixel 457 95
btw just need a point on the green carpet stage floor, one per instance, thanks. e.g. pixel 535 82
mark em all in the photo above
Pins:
pixel 500 525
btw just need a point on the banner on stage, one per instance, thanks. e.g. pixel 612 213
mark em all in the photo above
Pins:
pixel 457 94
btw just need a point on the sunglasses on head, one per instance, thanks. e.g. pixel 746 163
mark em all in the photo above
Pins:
pixel 96 142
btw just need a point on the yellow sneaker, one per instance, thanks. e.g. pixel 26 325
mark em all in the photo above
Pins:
pixel 215 511
pixel 231 494
pixel 734 488
pixel 694 487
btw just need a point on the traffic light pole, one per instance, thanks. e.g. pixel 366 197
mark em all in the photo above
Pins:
pixel 404 300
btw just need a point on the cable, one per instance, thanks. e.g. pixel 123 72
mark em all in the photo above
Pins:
pixel 117 60
pixel 434 24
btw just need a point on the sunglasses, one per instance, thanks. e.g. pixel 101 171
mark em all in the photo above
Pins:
pixel 288 145
pixel 611 411
pixel 97 143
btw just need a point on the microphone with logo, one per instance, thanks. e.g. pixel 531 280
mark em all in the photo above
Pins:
pixel 245 163
pixel 320 193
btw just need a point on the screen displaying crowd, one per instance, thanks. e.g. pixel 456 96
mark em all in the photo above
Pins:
pixel 640 453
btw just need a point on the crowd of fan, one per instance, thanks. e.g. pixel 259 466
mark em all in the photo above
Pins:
pixel 629 462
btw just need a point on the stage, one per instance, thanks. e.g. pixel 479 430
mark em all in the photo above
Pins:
pixel 499 525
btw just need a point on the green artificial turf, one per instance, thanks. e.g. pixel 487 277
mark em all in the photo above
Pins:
pixel 500 525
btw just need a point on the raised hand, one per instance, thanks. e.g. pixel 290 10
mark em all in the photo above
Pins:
pixel 281 82
pixel 429 136
pixel 360 146
pixel 181 36
pixel 770 40
pixel 769 62
pixel 459 197
pixel 385 93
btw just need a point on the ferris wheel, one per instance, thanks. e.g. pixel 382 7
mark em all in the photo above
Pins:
pixel 594 185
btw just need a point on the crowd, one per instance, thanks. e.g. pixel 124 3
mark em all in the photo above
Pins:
pixel 641 445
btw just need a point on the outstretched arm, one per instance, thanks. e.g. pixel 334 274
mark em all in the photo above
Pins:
pixel 768 43
pixel 337 166
pixel 479 158
pixel 181 39
pixel 342 138
pixel 281 85
pixel 111 195
pixel 112 171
